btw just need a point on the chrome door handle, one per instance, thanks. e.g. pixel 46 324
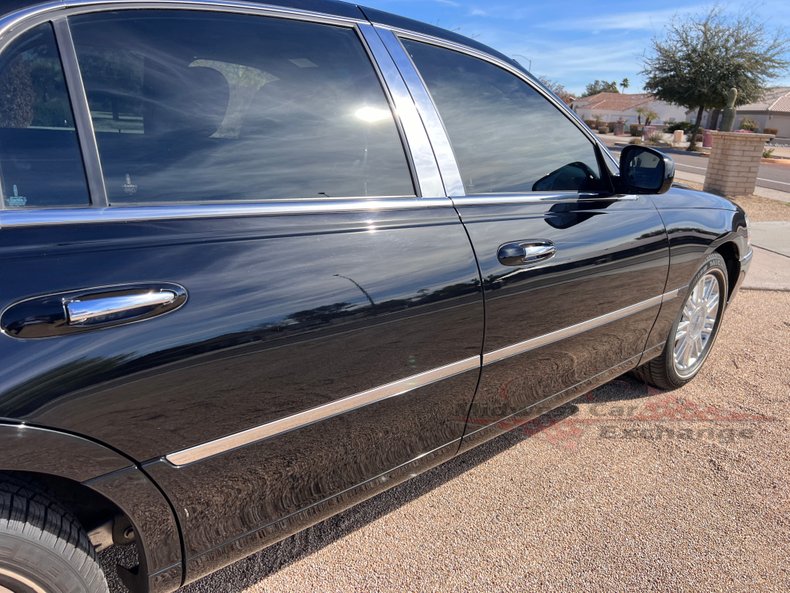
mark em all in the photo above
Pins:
pixel 90 309
pixel 519 253
pixel 84 311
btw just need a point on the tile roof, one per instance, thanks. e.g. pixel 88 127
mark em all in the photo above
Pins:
pixel 614 101
pixel 774 100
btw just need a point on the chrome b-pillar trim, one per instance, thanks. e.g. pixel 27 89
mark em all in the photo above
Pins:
pixel 427 170
pixel 437 134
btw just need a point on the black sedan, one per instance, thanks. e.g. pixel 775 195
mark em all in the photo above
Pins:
pixel 259 262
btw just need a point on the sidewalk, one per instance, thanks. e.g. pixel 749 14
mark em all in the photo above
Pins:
pixel 770 269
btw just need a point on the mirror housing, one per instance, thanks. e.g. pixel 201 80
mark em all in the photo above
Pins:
pixel 644 170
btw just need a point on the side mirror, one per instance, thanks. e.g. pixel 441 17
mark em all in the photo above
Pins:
pixel 645 170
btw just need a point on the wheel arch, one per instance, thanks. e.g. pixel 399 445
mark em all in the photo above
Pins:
pixel 99 485
pixel 731 254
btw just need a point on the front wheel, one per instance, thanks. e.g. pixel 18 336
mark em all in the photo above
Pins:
pixel 694 331
pixel 43 548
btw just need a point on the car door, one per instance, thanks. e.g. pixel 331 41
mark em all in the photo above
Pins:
pixel 573 275
pixel 267 302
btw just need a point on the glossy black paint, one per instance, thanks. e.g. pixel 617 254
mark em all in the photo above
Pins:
pixel 645 170
pixel 155 526
pixel 697 224
pixel 46 316
pixel 287 312
pixel 41 451
pixel 284 313
pixel 610 253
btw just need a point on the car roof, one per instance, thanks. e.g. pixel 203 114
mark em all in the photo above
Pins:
pixel 330 7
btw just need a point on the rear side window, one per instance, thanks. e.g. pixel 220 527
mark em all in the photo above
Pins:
pixel 198 106
pixel 507 138
pixel 40 159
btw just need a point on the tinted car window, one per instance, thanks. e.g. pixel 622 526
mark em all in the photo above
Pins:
pixel 195 106
pixel 505 135
pixel 40 160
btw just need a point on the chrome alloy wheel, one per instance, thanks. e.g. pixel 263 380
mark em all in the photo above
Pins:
pixel 697 324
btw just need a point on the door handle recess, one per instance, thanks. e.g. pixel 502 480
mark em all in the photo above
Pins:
pixel 84 310
pixel 519 253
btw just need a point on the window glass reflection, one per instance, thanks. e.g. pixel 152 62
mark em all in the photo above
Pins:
pixel 192 106
pixel 40 159
pixel 506 137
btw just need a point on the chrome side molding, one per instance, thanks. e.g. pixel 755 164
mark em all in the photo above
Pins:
pixel 334 408
pixel 400 387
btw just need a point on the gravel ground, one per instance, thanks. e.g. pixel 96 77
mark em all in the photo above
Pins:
pixel 625 489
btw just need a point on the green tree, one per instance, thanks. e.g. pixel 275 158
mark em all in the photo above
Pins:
pixel 558 89
pixel 699 60
pixel 600 86
pixel 624 84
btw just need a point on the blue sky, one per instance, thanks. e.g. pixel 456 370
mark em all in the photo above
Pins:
pixel 573 41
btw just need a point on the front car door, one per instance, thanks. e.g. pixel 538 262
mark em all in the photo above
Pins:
pixel 327 315
pixel 573 275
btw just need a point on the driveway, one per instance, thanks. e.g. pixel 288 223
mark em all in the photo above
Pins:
pixel 626 489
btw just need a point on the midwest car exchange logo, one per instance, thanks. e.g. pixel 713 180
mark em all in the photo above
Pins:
pixel 643 413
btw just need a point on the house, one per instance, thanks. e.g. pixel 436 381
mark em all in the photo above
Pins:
pixel 772 111
pixel 611 107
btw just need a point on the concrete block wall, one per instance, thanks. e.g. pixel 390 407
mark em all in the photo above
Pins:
pixel 734 161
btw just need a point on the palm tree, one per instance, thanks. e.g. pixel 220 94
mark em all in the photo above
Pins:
pixel 625 84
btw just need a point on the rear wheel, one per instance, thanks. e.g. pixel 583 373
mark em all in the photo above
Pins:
pixel 43 548
pixel 694 331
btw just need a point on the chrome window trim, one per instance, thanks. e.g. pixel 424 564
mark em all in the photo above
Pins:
pixel 434 126
pixel 114 214
pixel 324 412
pixel 417 142
pixel 83 121
pixel 538 198
pixel 397 388
pixel 423 172
pixel 476 53
pixel 16 23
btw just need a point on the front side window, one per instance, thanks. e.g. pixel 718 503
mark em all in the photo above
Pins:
pixel 198 106
pixel 507 138
pixel 40 159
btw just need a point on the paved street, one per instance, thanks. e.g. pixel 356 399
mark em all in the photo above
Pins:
pixel 774 176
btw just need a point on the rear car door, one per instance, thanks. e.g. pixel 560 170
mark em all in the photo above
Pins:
pixel 267 301
pixel 573 275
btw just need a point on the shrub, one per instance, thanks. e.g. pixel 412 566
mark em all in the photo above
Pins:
pixel 635 130
pixel 767 153
pixel 680 125
pixel 656 138
pixel 773 131
pixel 635 141
pixel 748 124
pixel 590 123
pixel 603 129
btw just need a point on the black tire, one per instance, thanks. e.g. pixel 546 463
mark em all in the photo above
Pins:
pixel 43 548
pixel 661 372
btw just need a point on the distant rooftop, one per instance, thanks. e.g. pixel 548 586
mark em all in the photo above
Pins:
pixel 613 101
pixel 776 100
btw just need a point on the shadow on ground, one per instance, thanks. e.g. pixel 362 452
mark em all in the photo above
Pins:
pixel 257 567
